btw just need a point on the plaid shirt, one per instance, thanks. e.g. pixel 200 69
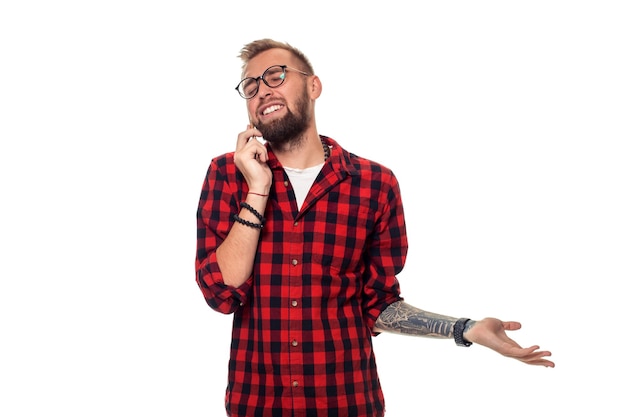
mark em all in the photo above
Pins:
pixel 302 326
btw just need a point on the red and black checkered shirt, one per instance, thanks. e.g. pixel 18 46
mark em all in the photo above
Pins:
pixel 302 326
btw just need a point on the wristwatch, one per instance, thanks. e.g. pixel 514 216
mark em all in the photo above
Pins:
pixel 459 328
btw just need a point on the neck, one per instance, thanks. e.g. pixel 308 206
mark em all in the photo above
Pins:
pixel 305 153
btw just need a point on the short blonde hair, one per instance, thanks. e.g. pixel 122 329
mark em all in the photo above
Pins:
pixel 254 48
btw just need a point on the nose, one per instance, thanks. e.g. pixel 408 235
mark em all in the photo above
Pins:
pixel 264 90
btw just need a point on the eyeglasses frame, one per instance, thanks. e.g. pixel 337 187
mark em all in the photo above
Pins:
pixel 262 78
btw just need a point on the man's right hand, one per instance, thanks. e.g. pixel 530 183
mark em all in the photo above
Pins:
pixel 251 160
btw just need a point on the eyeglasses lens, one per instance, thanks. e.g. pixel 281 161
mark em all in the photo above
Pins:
pixel 272 77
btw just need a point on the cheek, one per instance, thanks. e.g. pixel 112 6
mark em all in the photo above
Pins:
pixel 250 112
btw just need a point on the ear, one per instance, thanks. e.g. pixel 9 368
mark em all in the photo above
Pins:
pixel 315 87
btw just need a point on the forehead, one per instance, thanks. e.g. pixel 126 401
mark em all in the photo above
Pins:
pixel 266 59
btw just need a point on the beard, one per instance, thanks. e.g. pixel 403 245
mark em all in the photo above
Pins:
pixel 290 128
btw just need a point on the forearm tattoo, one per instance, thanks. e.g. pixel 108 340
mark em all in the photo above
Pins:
pixel 401 317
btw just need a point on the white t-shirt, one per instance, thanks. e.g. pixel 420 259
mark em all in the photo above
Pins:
pixel 302 180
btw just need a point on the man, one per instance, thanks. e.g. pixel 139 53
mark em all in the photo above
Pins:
pixel 303 241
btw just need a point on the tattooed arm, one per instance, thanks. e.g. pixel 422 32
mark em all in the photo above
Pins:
pixel 403 318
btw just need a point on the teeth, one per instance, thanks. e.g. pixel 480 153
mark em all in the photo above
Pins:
pixel 271 109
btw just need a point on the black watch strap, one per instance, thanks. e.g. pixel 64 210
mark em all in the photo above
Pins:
pixel 459 328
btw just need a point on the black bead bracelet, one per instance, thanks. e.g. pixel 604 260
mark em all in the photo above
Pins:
pixel 253 211
pixel 247 223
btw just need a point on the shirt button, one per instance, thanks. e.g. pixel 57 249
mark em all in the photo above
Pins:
pixel 294 303
pixel 295 223
pixel 294 343
pixel 295 383
pixel 294 262
pixel 286 183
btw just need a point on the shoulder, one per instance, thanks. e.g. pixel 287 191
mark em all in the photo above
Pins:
pixel 223 159
pixel 358 165
pixel 224 163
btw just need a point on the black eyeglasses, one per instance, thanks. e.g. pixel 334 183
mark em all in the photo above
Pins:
pixel 272 77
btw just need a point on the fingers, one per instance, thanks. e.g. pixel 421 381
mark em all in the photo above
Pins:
pixel 249 147
pixel 244 137
pixel 532 356
pixel 511 325
pixel 539 358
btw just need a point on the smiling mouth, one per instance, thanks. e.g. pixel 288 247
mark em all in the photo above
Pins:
pixel 271 109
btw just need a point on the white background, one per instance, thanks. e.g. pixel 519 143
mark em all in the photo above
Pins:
pixel 504 122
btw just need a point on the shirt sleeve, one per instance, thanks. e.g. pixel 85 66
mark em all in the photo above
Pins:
pixel 214 220
pixel 386 253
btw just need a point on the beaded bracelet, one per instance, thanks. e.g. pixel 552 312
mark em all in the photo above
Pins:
pixel 253 211
pixel 247 223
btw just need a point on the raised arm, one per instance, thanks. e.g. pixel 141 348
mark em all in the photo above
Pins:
pixel 403 318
